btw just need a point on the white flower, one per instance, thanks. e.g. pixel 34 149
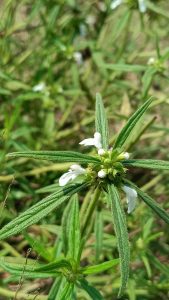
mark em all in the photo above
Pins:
pixel 101 152
pixel 126 155
pixel 142 6
pixel 101 174
pixel 96 141
pixel 39 87
pixel 151 61
pixel 78 57
pixel 115 3
pixel 131 195
pixel 74 171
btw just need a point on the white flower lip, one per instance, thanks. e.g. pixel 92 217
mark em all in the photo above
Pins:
pixel 39 87
pixel 131 195
pixel 115 3
pixel 151 61
pixel 96 141
pixel 78 57
pixel 73 172
pixel 142 6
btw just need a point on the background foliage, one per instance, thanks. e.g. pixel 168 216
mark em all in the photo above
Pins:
pixel 39 42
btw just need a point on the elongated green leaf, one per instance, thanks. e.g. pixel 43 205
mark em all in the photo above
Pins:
pixel 151 203
pixel 98 234
pixel 101 121
pixel 57 264
pixel 93 293
pixel 124 67
pixel 160 266
pixel 147 79
pixel 147 164
pixel 74 230
pixel 49 189
pixel 61 290
pixel 101 267
pixel 55 288
pixel 26 267
pixel 157 9
pixel 120 228
pixel 131 123
pixel 39 210
pixel 65 227
pixel 60 156
pixel 66 293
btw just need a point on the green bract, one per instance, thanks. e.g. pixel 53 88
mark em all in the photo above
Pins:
pixel 113 165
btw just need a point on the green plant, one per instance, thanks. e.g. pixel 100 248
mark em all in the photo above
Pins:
pixel 105 172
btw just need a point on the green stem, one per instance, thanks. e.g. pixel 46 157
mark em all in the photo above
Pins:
pixel 89 212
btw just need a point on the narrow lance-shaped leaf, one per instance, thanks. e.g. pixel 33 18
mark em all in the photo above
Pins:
pixel 39 210
pixel 59 156
pixel 147 164
pixel 100 268
pixel 98 234
pixel 150 202
pixel 120 228
pixel 101 121
pixel 93 293
pixel 55 288
pixel 57 264
pixel 67 291
pixel 26 267
pixel 74 230
pixel 61 290
pixel 131 123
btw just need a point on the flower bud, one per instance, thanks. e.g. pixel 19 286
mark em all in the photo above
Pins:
pixel 101 174
pixel 101 152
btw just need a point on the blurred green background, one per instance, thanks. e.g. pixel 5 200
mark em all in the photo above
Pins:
pixel 54 57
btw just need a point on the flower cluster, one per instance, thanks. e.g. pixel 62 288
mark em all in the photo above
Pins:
pixel 110 166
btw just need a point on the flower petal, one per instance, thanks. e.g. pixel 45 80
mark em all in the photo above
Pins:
pixel 142 6
pixel 65 178
pixel 96 141
pixel 131 195
pixel 88 142
pixel 77 169
pixel 115 3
